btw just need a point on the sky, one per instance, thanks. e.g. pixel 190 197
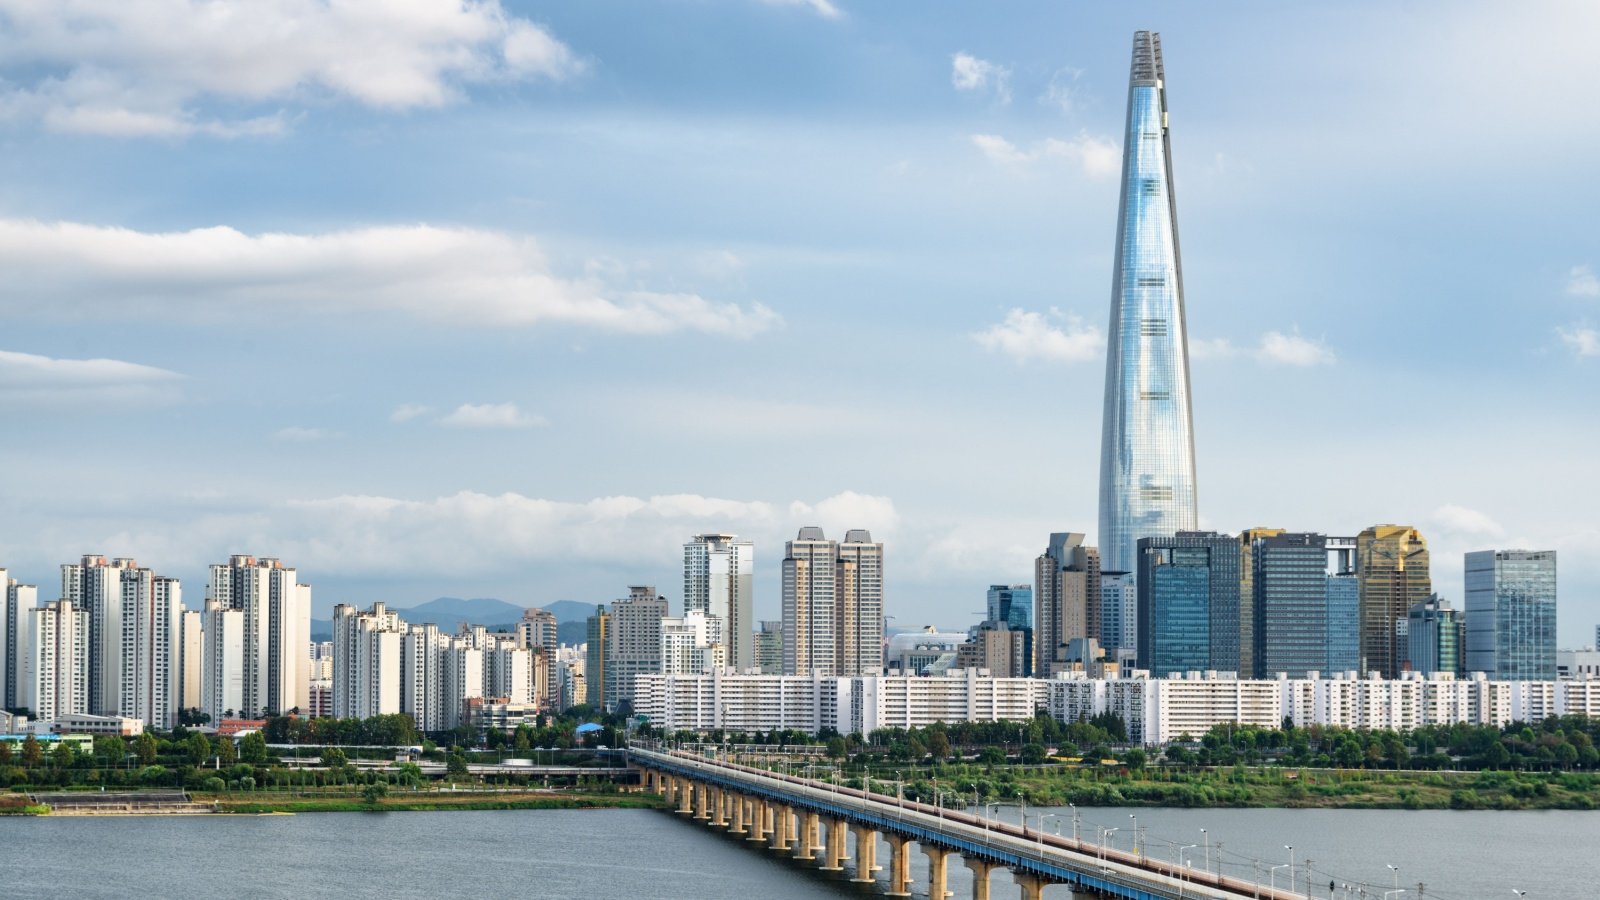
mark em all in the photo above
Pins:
pixel 509 299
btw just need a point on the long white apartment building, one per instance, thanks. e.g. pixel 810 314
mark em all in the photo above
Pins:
pixel 53 680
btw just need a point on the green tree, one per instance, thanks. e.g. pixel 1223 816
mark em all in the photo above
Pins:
pixel 63 756
pixel 456 765
pixel 334 758
pixel 5 753
pixel 1134 759
pixel 198 748
pixel 146 747
pixel 1033 754
pixel 836 747
pixel 939 745
pixel 253 748
pixel 372 793
pixel 32 753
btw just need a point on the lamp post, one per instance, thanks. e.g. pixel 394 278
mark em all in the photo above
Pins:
pixel 1206 839
pixel 1074 823
pixel 1290 848
pixel 1273 883
pixel 1105 835
pixel 1042 817
pixel 1135 833
pixel 1396 871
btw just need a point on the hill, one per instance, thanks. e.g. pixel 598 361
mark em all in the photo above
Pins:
pixel 449 612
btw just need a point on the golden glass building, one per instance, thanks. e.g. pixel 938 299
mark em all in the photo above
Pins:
pixel 1392 569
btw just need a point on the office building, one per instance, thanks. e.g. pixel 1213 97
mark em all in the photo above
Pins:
pixel 719 581
pixel 1066 587
pixel 1511 614
pixel 597 637
pixel 1119 612
pixel 1011 604
pixel 1147 471
pixel 1247 593
pixel 1291 604
pixel 1343 623
pixel 769 647
pixel 1392 574
pixel 1188 602
pixel 1435 638
pixel 994 648
pixel 634 643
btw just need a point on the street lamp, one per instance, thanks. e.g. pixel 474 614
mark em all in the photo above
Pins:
pixel 1274 882
pixel 1291 866
pixel 1042 817
pixel 1396 871
pixel 1074 823
pixel 1135 833
pixel 1206 838
pixel 1105 835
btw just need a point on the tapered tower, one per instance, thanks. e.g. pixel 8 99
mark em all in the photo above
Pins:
pixel 1147 479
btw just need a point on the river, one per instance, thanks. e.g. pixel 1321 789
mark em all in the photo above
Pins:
pixel 647 854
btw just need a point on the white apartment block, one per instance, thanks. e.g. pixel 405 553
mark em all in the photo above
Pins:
pixel 690 644
pixel 15 603
pixel 633 643
pixel 222 669
pixel 367 661
pixel 150 666
pixel 94 585
pixel 719 581
pixel 191 659
pixel 55 654
pixel 276 627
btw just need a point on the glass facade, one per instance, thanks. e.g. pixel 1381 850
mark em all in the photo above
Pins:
pixel 1188 603
pixel 1343 624
pixel 1433 638
pixel 1291 605
pixel 1011 604
pixel 1511 614
pixel 1147 475
pixel 1119 611
pixel 1392 568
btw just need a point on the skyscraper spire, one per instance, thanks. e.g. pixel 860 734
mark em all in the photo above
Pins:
pixel 1147 477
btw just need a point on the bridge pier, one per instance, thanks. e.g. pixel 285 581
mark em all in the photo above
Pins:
pixel 1032 885
pixel 781 823
pixel 805 847
pixel 980 877
pixel 701 792
pixel 899 866
pixel 758 820
pixel 938 872
pixel 738 814
pixel 685 796
pixel 719 808
pixel 838 833
pixel 866 854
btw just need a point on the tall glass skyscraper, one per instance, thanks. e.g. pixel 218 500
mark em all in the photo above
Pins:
pixel 1147 480
pixel 1511 614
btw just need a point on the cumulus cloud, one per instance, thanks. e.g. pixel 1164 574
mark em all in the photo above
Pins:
pixel 1291 349
pixel 490 415
pixel 29 377
pixel 1025 336
pixel 1580 339
pixel 296 434
pixel 1581 282
pixel 154 68
pixel 405 412
pixel 1096 157
pixel 845 511
pixel 823 8
pixel 457 276
pixel 969 73
pixel 1464 522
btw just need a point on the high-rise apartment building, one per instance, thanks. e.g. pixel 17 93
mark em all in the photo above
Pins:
pixel 1392 571
pixel 1436 638
pixel 598 636
pixel 1066 587
pixel 689 644
pixel 1147 471
pixel 15 603
pixel 133 637
pixel 537 631
pixel 1011 604
pixel 810 604
pixel 769 646
pixel 367 652
pixel 634 643
pixel 1511 614
pixel 860 611
pixel 55 671
pixel 191 659
pixel 719 580
pixel 274 628
pixel 94 586
pixel 1119 612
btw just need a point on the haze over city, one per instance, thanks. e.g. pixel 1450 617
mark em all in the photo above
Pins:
pixel 551 292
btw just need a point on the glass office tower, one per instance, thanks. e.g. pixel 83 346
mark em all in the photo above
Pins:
pixel 1511 614
pixel 1147 479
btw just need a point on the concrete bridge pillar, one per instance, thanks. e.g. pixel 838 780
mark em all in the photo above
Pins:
pixel 899 866
pixel 866 854
pixel 685 796
pixel 837 833
pixel 938 872
pixel 719 808
pixel 980 877
pixel 758 820
pixel 806 846
pixel 782 826
pixel 1032 885
pixel 739 801
pixel 701 801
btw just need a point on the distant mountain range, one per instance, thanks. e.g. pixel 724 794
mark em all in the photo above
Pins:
pixel 449 612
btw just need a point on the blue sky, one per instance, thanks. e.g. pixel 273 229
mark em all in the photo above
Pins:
pixel 509 299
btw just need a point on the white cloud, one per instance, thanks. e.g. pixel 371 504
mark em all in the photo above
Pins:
pixel 458 276
pixel 405 412
pixel 1581 282
pixel 1096 157
pixel 29 377
pixel 1204 349
pixel 1063 92
pixel 1464 522
pixel 296 434
pixel 1025 336
pixel 151 68
pixel 848 510
pixel 1581 339
pixel 491 415
pixel 823 8
pixel 1282 349
pixel 969 73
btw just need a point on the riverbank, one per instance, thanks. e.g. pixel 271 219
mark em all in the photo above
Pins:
pixel 247 804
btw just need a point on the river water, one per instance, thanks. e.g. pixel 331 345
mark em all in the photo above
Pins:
pixel 650 854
